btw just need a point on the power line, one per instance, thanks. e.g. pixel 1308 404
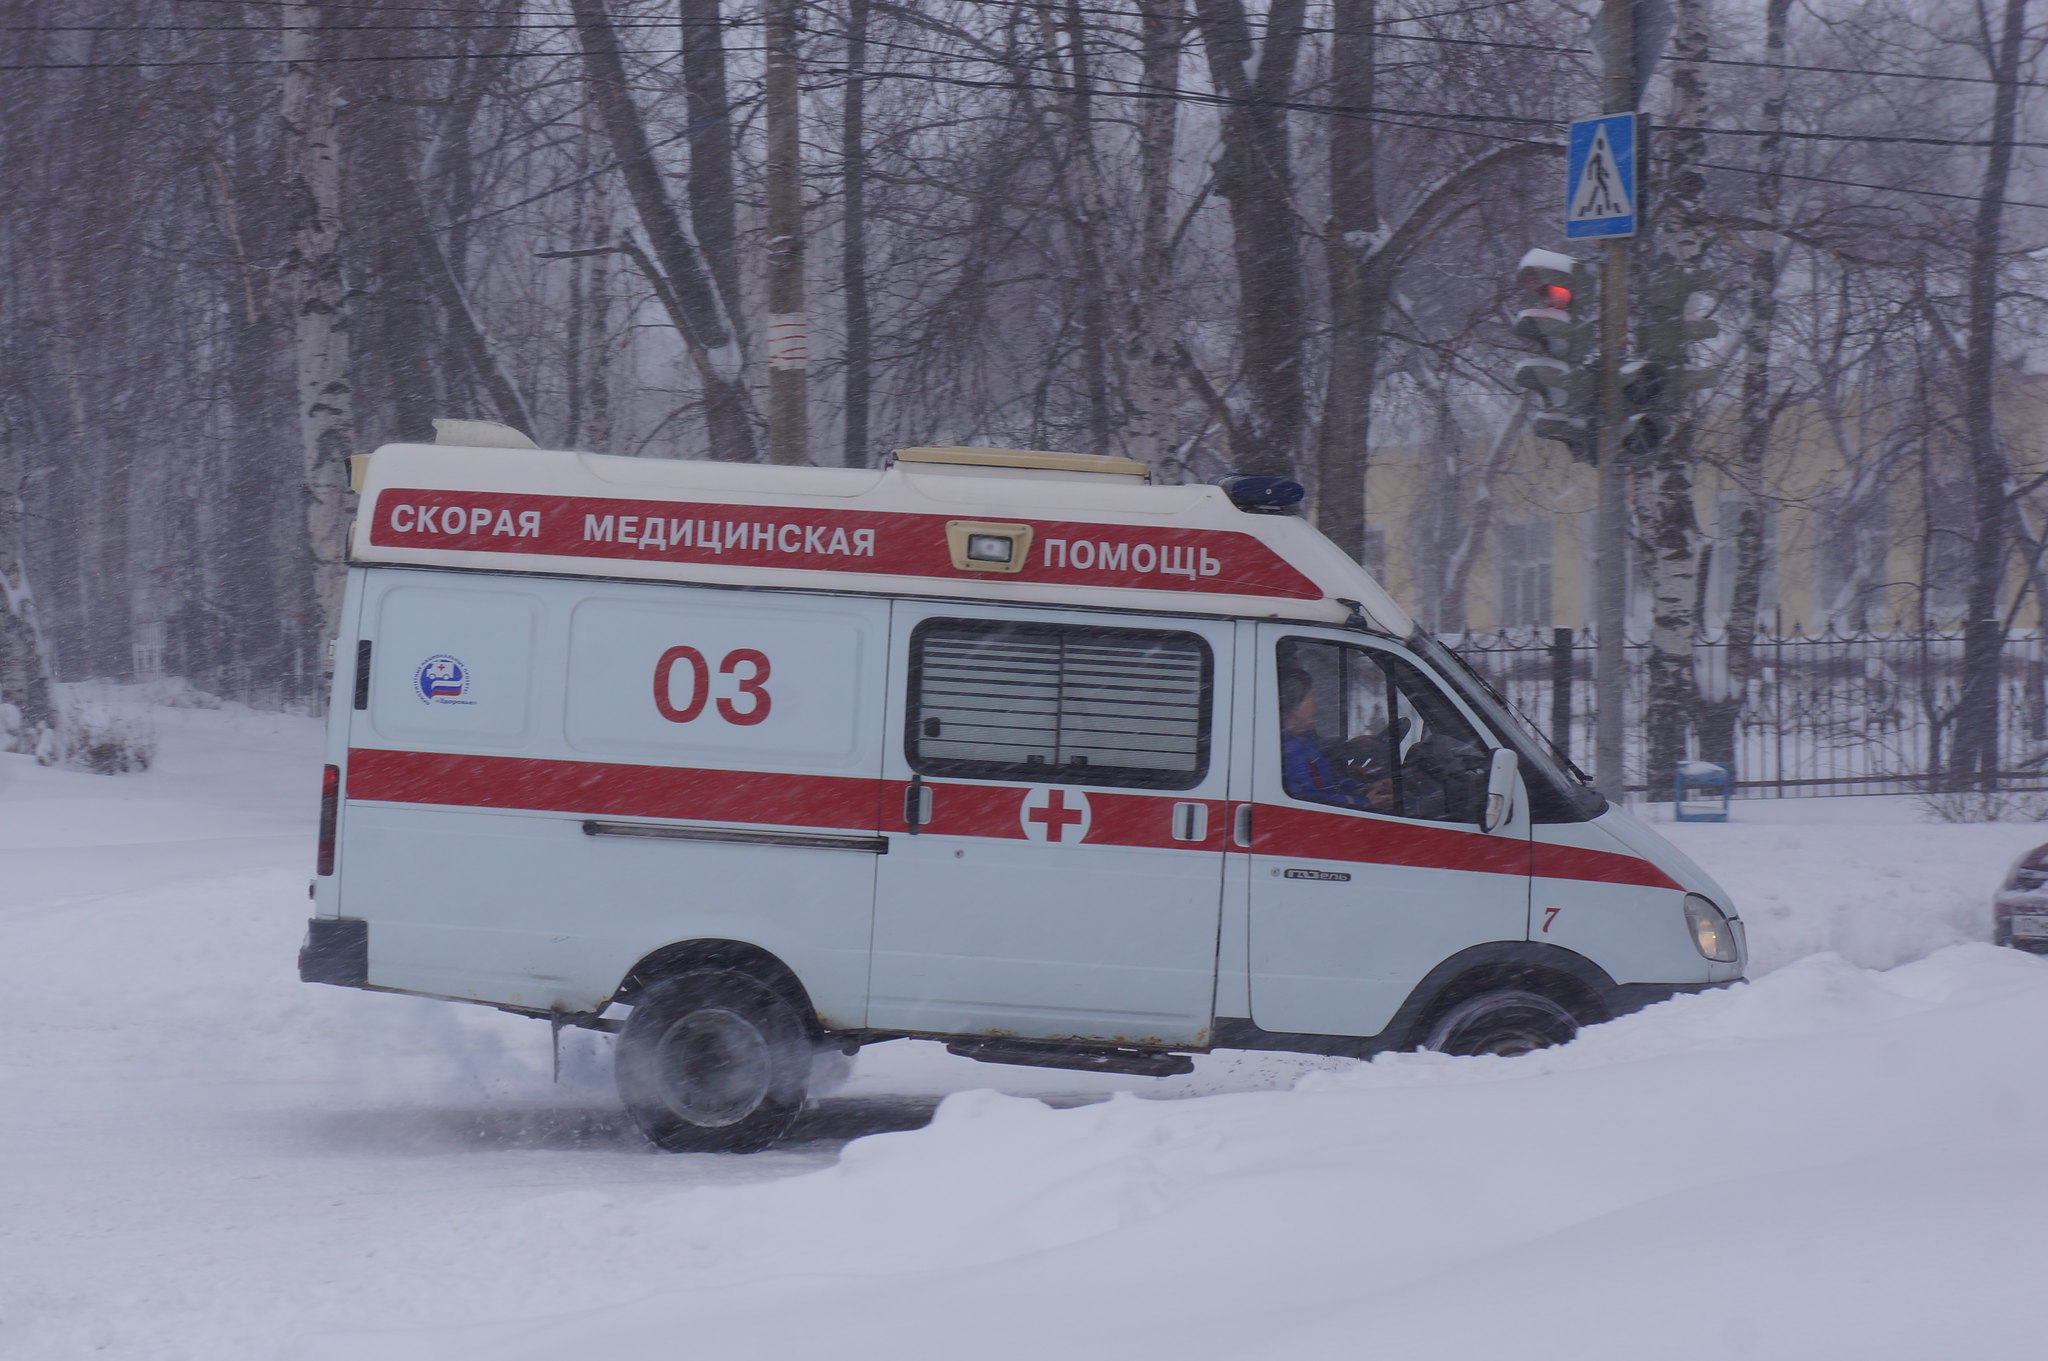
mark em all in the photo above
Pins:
pixel 370 8
pixel 330 61
pixel 1056 6
pixel 1897 139
pixel 1551 48
pixel 340 28
pixel 1299 106
pixel 1375 115
pixel 1714 61
pixel 523 27
pixel 1136 91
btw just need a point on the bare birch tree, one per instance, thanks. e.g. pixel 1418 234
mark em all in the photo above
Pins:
pixel 320 348
pixel 1667 522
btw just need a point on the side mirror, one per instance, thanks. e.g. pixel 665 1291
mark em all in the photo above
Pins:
pixel 1502 775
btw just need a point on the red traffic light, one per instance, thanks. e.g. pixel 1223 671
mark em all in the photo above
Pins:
pixel 1542 294
pixel 1550 280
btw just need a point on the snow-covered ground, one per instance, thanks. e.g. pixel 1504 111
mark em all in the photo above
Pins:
pixel 202 1158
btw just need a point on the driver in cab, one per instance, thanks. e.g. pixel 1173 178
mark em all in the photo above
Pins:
pixel 1358 779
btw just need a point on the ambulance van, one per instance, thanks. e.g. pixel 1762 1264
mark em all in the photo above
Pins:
pixel 1010 750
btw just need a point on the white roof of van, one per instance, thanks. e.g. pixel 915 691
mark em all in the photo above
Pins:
pixel 1081 539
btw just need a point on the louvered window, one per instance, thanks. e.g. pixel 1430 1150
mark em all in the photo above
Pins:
pixel 1059 704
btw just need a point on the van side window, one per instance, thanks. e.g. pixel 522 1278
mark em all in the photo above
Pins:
pixel 1058 703
pixel 1367 730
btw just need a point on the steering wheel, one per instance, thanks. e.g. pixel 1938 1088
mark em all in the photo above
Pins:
pixel 1441 781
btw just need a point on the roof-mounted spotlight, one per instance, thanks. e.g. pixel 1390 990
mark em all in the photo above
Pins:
pixel 1257 495
pixel 982 547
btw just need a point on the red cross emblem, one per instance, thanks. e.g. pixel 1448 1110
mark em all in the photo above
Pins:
pixel 1049 812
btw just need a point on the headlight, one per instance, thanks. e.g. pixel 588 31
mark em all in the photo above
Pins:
pixel 1711 931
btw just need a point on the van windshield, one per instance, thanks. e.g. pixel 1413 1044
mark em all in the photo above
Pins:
pixel 1558 791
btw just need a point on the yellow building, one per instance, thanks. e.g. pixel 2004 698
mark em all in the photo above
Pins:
pixel 1867 523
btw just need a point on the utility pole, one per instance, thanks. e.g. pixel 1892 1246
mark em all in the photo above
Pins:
pixel 1610 549
pixel 788 418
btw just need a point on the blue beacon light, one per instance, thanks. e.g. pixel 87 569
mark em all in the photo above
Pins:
pixel 1259 495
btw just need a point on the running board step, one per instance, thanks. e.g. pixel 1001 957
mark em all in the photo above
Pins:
pixel 1141 1062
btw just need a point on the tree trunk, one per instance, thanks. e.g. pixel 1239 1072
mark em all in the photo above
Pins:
pixel 1085 215
pixel 1255 176
pixel 450 166
pixel 433 259
pixel 1151 434
pixel 326 394
pixel 588 331
pixel 397 303
pixel 24 660
pixel 856 368
pixel 1973 754
pixel 25 165
pixel 420 272
pixel 788 327
pixel 1721 711
pixel 1350 246
pixel 1669 527
pixel 708 189
pixel 685 288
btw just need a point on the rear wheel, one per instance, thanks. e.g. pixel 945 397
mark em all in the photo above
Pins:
pixel 1504 1023
pixel 713 1060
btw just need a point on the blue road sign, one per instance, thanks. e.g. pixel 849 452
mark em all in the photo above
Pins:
pixel 1600 177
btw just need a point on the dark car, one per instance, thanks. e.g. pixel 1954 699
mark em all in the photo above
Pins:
pixel 2019 911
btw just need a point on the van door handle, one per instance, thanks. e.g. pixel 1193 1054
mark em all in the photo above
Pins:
pixel 1191 822
pixel 1241 826
pixel 917 805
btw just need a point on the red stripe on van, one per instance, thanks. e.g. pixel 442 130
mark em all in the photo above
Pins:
pixel 600 788
pixel 1597 867
pixel 821 539
pixel 835 802
pixel 1280 830
pixel 1287 831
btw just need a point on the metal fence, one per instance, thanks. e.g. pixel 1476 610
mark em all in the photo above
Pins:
pixel 1822 714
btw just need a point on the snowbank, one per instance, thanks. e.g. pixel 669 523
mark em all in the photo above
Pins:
pixel 1817 1165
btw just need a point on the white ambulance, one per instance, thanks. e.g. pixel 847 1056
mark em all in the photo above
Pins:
pixel 1010 750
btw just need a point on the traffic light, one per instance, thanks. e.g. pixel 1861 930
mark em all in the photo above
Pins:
pixel 1644 424
pixel 1555 288
pixel 1654 388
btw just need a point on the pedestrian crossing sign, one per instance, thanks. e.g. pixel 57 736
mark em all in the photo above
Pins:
pixel 1600 177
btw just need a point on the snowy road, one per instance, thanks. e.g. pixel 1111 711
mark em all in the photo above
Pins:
pixel 202 1158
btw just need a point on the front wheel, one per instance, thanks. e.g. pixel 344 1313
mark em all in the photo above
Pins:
pixel 713 1061
pixel 1503 1023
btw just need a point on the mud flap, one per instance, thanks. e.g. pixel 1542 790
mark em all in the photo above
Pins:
pixel 337 951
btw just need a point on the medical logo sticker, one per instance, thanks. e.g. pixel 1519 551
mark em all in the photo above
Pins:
pixel 1052 814
pixel 442 679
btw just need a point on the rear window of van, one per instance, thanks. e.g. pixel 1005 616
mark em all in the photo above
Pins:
pixel 1059 703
